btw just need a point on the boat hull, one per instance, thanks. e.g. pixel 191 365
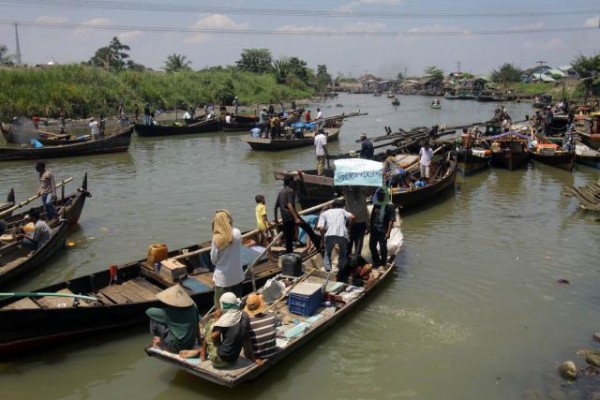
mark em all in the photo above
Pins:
pixel 119 142
pixel 264 144
pixel 563 160
pixel 510 159
pixel 142 130
pixel 469 163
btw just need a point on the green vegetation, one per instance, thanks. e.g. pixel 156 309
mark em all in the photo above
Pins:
pixel 177 63
pixel 5 58
pixel 83 90
pixel 435 74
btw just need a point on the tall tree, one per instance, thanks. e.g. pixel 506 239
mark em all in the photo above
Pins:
pixel 282 70
pixel 5 58
pixel 255 60
pixel 435 74
pixel 323 77
pixel 177 62
pixel 112 57
pixel 299 69
pixel 507 73
pixel 588 68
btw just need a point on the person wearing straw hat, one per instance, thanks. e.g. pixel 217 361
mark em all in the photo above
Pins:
pixel 382 221
pixel 262 328
pixel 225 335
pixel 225 254
pixel 174 327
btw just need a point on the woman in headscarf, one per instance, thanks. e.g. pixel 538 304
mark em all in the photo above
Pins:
pixel 225 254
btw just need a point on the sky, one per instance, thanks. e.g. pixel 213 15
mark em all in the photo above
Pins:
pixel 351 37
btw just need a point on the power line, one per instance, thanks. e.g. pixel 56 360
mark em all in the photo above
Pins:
pixel 187 8
pixel 52 25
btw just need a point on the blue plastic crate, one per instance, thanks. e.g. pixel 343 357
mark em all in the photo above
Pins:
pixel 305 298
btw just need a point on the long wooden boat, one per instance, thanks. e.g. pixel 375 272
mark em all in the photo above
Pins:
pixel 239 123
pixel 285 143
pixel 587 156
pixel 590 133
pixel 122 294
pixel 509 150
pixel 117 142
pixel 9 203
pixel 293 334
pixel 473 159
pixel 589 196
pixel 443 172
pixel 552 154
pixel 69 207
pixel 211 125
pixel 17 261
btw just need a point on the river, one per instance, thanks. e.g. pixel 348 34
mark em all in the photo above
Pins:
pixel 474 309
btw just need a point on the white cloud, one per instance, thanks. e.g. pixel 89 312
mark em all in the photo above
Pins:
pixel 97 22
pixel 303 28
pixel 552 44
pixel 130 35
pixel 213 21
pixel 365 27
pixel 592 22
pixel 438 29
pixel 51 19
pixel 357 3
pixel 533 26
pixel 356 27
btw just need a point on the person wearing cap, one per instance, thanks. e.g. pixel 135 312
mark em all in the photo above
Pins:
pixel 47 189
pixel 367 150
pixel 225 335
pixel 94 128
pixel 174 327
pixel 42 233
pixel 332 224
pixel 321 151
pixel 382 221
pixel 225 254
pixel 262 329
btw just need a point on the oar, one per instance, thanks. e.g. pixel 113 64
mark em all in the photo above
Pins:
pixel 48 294
pixel 251 267
pixel 51 133
pixel 29 200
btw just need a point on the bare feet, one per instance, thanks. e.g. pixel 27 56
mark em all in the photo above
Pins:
pixel 156 342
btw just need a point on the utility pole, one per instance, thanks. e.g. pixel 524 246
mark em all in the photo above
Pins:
pixel 18 56
pixel 458 65
pixel 405 72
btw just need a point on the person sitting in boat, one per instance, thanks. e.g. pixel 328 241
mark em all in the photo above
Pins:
pixel 466 139
pixel 435 101
pixel 227 118
pixel 42 233
pixel 225 335
pixel 187 116
pixel 262 329
pixel 174 327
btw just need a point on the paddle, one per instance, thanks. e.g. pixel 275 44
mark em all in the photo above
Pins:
pixel 48 294
pixel 32 198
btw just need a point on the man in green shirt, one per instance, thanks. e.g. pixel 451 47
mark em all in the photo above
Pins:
pixel 174 327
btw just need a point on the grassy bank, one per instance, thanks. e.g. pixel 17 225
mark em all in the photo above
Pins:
pixel 83 91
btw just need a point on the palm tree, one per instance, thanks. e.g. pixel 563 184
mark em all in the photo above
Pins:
pixel 176 63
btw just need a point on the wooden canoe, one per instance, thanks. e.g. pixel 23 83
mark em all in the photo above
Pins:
pixel 587 156
pixel 122 296
pixel 472 160
pixel 589 196
pixel 292 335
pixel 117 142
pixel 68 206
pixel 17 261
pixel 510 151
pixel 211 125
pixel 559 158
pixel 277 144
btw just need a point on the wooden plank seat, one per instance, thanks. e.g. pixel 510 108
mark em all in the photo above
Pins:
pixel 22 304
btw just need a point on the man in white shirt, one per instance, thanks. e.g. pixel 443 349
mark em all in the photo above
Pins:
pixel 425 157
pixel 94 128
pixel 321 151
pixel 319 114
pixel 332 224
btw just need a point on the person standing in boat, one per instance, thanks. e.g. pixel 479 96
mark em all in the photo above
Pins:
pixel 262 122
pixel 548 121
pixel 425 158
pixel 286 200
pixel 174 327
pixel 236 104
pixel 321 151
pixel 382 221
pixel 319 115
pixel 42 233
pixel 94 128
pixel 367 150
pixel 47 189
pixel 225 254
pixel 355 198
pixel 332 224
pixel 147 118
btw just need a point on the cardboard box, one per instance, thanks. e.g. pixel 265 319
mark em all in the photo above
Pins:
pixel 172 270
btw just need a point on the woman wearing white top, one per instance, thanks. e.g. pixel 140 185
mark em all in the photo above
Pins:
pixel 225 254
